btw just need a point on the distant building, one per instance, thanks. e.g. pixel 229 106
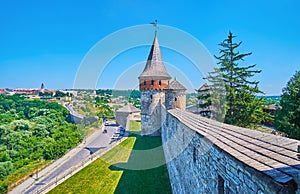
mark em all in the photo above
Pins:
pixel 2 91
pixel 123 114
pixel 72 92
pixel 26 91
pixel 193 109
pixel 42 88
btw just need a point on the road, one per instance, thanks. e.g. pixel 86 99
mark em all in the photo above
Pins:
pixel 72 111
pixel 98 141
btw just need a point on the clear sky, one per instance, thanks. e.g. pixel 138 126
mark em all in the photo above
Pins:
pixel 45 41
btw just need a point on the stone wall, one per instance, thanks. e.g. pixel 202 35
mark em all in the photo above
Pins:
pixel 196 165
pixel 151 101
pixel 175 99
pixel 85 120
pixel 121 118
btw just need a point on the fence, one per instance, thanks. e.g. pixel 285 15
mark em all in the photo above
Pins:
pixel 73 170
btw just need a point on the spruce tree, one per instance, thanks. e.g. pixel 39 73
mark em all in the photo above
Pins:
pixel 288 117
pixel 217 95
pixel 241 105
pixel 204 101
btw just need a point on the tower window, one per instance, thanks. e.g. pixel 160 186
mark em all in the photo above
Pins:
pixel 159 82
pixel 175 99
pixel 145 82
pixel 194 155
pixel 151 97
pixel 152 82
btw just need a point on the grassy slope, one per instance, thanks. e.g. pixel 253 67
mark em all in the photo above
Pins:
pixel 105 175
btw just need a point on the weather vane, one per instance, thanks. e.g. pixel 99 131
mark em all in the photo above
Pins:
pixel 155 25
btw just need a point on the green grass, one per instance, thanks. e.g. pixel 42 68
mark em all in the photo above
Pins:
pixel 113 172
pixel 135 126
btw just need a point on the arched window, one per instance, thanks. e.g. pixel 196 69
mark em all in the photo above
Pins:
pixel 152 82
pixel 159 83
pixel 145 82
pixel 175 99
pixel 151 97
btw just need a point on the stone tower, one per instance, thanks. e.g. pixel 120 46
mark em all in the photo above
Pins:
pixel 42 88
pixel 152 82
pixel 175 96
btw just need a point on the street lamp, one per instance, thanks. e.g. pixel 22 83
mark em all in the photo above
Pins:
pixel 37 168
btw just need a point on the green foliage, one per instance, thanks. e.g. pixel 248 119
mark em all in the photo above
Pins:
pixel 46 94
pixel 61 94
pixel 233 88
pixel 135 94
pixel 288 117
pixel 5 169
pixel 116 93
pixel 102 104
pixel 102 92
pixel 29 130
pixel 135 102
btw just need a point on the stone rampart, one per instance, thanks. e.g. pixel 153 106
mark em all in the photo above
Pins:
pixel 205 156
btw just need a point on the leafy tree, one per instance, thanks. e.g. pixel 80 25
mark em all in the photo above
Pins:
pixel 102 104
pixel 135 102
pixel 288 117
pixel 241 105
pixel 29 130
pixel 135 94
pixel 46 94
pixel 20 125
pixel 5 169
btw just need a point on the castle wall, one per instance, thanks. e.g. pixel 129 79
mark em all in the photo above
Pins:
pixel 121 118
pixel 196 165
pixel 151 101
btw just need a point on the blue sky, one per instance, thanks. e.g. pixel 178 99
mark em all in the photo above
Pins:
pixel 45 41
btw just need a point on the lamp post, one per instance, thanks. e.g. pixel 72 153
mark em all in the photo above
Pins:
pixel 37 168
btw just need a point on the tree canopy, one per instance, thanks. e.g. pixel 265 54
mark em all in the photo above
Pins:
pixel 288 117
pixel 30 130
pixel 233 90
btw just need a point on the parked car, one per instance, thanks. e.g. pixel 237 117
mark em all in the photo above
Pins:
pixel 115 136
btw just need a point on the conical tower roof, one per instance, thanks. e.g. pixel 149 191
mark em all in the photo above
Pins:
pixel 175 85
pixel 155 68
pixel 129 108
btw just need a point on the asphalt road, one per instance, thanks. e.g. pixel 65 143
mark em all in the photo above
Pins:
pixel 98 141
